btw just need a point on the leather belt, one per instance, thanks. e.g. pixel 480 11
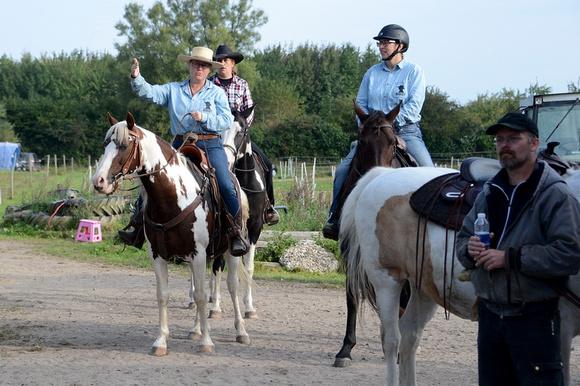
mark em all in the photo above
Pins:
pixel 199 137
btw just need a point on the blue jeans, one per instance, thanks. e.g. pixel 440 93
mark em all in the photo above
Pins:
pixel 214 150
pixel 522 349
pixel 415 146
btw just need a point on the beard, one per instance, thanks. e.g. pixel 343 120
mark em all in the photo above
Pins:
pixel 509 160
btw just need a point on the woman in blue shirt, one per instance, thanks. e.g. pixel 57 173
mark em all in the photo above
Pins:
pixel 196 105
pixel 383 87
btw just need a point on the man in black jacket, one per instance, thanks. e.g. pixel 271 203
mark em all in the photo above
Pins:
pixel 535 247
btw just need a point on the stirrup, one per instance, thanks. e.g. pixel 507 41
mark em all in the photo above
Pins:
pixel 134 238
pixel 238 247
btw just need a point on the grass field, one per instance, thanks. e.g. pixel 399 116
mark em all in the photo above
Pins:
pixel 307 206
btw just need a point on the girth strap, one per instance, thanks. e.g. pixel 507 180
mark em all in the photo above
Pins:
pixel 160 229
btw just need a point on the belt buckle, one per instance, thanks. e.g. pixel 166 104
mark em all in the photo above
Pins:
pixel 190 136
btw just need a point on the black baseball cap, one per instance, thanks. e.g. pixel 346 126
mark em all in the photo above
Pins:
pixel 514 121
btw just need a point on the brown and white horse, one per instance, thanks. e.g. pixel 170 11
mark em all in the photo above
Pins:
pixel 179 224
pixel 379 240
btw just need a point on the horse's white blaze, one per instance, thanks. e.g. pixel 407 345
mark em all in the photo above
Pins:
pixel 100 178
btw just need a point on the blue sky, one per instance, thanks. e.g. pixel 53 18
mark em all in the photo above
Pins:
pixel 466 48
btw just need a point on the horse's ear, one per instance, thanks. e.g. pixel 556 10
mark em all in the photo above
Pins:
pixel 246 113
pixel 360 112
pixel 112 121
pixel 130 120
pixel 394 112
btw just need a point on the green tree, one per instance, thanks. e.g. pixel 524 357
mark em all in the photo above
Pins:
pixel 6 128
pixel 156 37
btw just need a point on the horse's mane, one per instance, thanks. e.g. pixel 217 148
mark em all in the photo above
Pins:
pixel 121 132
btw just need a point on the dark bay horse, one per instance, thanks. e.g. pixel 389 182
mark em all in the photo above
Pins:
pixel 378 145
pixel 180 224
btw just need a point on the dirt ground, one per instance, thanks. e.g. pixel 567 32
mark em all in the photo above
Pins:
pixel 64 322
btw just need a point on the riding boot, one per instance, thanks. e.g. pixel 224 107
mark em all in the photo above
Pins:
pixel 136 237
pixel 331 227
pixel 238 244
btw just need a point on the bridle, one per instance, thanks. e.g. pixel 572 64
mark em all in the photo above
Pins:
pixel 378 130
pixel 135 136
pixel 238 143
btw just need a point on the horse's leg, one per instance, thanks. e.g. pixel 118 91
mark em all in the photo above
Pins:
pixel 343 358
pixel 215 295
pixel 161 277
pixel 191 289
pixel 388 293
pixel 250 311
pixel 233 287
pixel 195 332
pixel 418 312
pixel 198 264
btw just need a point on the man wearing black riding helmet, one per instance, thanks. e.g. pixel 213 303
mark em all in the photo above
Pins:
pixel 383 87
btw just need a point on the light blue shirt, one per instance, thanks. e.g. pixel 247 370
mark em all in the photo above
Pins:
pixel 383 89
pixel 211 100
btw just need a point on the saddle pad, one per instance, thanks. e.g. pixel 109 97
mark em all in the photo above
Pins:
pixel 429 203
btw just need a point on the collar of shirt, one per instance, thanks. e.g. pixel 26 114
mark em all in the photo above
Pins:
pixel 397 67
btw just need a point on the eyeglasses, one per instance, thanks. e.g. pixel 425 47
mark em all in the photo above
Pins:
pixel 512 140
pixel 385 42
pixel 199 64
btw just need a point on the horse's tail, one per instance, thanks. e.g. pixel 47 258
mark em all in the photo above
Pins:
pixel 244 276
pixel 358 284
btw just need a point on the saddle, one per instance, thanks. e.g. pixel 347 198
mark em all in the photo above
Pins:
pixel 447 199
pixel 205 175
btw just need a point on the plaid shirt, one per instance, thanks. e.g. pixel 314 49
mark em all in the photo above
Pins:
pixel 238 93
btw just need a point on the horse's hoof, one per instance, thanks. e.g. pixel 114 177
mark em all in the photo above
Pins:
pixel 251 315
pixel 215 314
pixel 243 339
pixel 194 336
pixel 342 362
pixel 158 351
pixel 190 305
pixel 206 349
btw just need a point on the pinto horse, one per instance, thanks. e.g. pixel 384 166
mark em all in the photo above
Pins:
pixel 179 224
pixel 378 145
pixel 378 266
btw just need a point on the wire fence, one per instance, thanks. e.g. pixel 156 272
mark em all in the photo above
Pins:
pixel 312 167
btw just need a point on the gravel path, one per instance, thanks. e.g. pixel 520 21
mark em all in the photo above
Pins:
pixel 72 323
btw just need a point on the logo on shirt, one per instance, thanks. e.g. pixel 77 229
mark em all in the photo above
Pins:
pixel 207 106
pixel 401 92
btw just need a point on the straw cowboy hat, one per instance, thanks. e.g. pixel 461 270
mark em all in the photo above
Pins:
pixel 201 54
pixel 224 51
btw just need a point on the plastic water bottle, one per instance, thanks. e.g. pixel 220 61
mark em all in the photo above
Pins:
pixel 481 227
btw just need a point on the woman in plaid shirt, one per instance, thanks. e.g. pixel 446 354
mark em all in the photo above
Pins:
pixel 240 99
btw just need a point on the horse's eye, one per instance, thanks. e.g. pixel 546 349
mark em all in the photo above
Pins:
pixel 122 147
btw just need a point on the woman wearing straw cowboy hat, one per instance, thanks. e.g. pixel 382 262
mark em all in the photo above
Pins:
pixel 240 99
pixel 196 105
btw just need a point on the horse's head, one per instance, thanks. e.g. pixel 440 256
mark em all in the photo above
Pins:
pixel 237 136
pixel 377 139
pixel 122 154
